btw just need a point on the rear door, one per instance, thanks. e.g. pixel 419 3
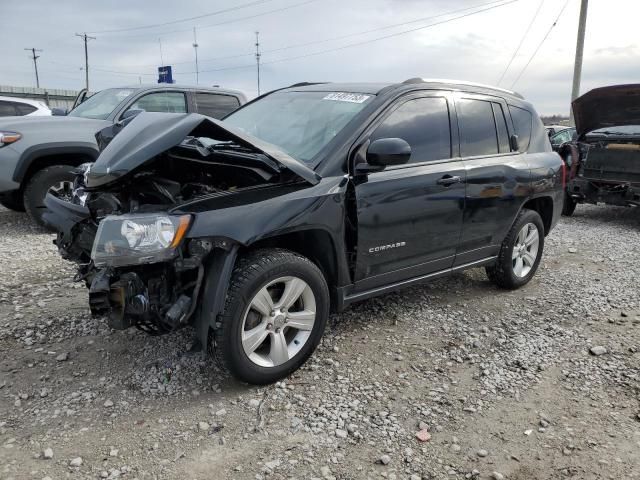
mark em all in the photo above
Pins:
pixel 497 177
pixel 410 216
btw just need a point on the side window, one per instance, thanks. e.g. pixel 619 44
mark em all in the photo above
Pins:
pixel 7 109
pixel 24 108
pixel 169 102
pixel 522 122
pixel 501 126
pixel 424 124
pixel 214 105
pixel 478 134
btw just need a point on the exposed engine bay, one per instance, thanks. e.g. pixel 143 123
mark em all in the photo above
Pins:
pixel 607 171
pixel 120 227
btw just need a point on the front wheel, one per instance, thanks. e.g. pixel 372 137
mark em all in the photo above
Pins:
pixel 520 253
pixel 56 177
pixel 275 313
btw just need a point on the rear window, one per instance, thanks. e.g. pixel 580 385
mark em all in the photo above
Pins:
pixel 24 108
pixel 523 123
pixel 478 135
pixel 215 105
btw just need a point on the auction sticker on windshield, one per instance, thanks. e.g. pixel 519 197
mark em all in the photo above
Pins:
pixel 347 97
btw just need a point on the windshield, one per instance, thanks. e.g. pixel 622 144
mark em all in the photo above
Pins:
pixel 299 123
pixel 101 104
pixel 622 130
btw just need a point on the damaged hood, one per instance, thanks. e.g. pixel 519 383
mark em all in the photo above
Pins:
pixel 614 106
pixel 151 134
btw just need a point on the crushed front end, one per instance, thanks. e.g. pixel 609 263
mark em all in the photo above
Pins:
pixel 133 252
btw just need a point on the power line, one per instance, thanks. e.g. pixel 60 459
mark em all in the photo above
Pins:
pixel 330 39
pixel 225 22
pixel 35 62
pixel 540 45
pixel 365 42
pixel 343 47
pixel 172 22
pixel 515 52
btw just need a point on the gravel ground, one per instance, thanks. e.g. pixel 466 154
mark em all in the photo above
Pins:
pixel 454 379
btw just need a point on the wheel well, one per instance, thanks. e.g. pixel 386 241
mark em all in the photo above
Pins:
pixel 544 207
pixel 316 245
pixel 73 159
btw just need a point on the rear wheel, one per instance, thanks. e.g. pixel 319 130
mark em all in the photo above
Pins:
pixel 58 178
pixel 13 201
pixel 275 314
pixel 520 252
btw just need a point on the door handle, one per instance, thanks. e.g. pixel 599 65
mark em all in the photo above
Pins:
pixel 449 180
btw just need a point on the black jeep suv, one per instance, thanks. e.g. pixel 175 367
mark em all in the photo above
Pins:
pixel 307 199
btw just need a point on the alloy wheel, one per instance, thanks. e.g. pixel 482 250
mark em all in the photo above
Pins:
pixel 278 321
pixel 525 250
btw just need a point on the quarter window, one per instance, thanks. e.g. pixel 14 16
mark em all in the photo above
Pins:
pixel 478 134
pixel 168 102
pixel 522 122
pixel 424 124
pixel 214 105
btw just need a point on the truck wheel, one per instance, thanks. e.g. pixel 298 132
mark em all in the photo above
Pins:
pixel 520 252
pixel 57 177
pixel 569 206
pixel 275 313
pixel 13 201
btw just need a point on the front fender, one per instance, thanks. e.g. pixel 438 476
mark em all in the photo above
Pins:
pixel 31 154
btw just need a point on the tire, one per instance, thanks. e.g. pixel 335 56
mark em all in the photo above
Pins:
pixel 569 206
pixel 38 186
pixel 505 273
pixel 13 201
pixel 255 358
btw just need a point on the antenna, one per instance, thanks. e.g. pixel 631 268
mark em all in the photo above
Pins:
pixel 258 55
pixel 195 48
pixel 35 62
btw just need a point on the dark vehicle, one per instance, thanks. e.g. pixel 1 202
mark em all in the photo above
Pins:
pixel 39 153
pixel 302 202
pixel 565 136
pixel 553 129
pixel 604 160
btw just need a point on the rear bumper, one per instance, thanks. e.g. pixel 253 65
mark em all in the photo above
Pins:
pixel 584 190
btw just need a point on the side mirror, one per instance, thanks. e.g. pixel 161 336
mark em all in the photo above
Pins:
pixel 128 116
pixel 514 143
pixel 387 152
pixel 58 112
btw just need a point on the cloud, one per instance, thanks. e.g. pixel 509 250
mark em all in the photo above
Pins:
pixel 475 48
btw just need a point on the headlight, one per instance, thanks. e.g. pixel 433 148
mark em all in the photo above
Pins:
pixel 138 238
pixel 8 137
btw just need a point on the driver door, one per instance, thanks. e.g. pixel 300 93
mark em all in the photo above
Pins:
pixel 410 216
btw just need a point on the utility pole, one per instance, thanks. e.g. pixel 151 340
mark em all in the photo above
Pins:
pixel 86 39
pixel 161 58
pixel 35 62
pixel 577 70
pixel 195 47
pixel 258 55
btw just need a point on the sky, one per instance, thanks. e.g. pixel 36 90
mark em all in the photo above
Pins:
pixel 324 40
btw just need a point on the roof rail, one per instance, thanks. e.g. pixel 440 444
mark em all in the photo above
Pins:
pixel 305 84
pixel 461 82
